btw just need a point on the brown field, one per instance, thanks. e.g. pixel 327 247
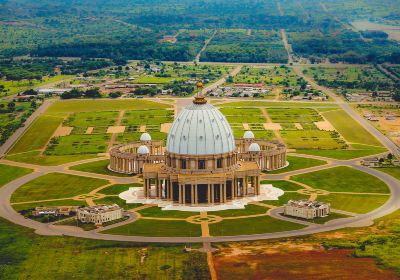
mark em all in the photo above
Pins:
pixel 303 263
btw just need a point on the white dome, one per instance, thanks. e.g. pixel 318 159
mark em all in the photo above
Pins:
pixel 143 150
pixel 200 129
pixel 145 137
pixel 248 135
pixel 254 147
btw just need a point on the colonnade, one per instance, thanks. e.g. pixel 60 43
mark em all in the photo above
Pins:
pixel 207 193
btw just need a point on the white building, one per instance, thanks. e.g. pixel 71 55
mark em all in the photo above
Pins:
pixel 307 209
pixel 99 214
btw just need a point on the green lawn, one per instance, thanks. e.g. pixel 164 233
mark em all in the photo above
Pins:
pixel 66 202
pixel 157 228
pixel 350 129
pixel 34 157
pixel 283 185
pixel 71 106
pixel 118 201
pixel 38 134
pixel 159 213
pixel 119 188
pixel 250 209
pixel 10 173
pixel 99 167
pixel 25 255
pixel 356 152
pixel 56 185
pixel 296 163
pixel 285 198
pixel 360 203
pixel 392 171
pixel 79 145
pixel 342 179
pixel 257 225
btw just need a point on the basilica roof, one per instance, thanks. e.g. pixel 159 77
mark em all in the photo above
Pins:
pixel 200 129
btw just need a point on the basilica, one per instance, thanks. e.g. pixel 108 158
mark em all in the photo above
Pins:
pixel 202 163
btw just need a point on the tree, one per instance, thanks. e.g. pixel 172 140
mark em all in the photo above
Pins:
pixel 115 94
pixel 396 96
pixel 92 93
pixel 75 93
pixel 11 106
pixel 390 156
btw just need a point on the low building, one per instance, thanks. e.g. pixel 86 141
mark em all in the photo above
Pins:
pixel 306 209
pixel 371 162
pixel 55 211
pixel 99 214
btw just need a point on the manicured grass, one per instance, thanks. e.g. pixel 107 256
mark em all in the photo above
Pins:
pixel 71 106
pixel 116 200
pixel 34 157
pixel 393 171
pixel 99 167
pixel 250 209
pixel 10 173
pixel 157 228
pixel 38 134
pixel 158 212
pixel 360 203
pixel 293 115
pixel 350 129
pixel 25 255
pixel 56 185
pixel 359 151
pixel 119 188
pixel 268 104
pixel 79 144
pixel 66 202
pixel 257 225
pixel 285 198
pixel 311 139
pixel 342 179
pixel 296 163
pixel 283 185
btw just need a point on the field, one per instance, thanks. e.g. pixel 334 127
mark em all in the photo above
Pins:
pixel 351 130
pixel 89 121
pixel 56 186
pixel 27 255
pixel 10 173
pixel 162 228
pixel 263 224
pixel 296 163
pixel 360 203
pixel 272 75
pixel 342 179
pixel 99 167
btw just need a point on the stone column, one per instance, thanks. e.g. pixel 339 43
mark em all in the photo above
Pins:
pixel 212 193
pixel 208 193
pixel 224 189
pixel 192 194
pixel 157 188
pixel 196 194
pixel 184 194
pixel 233 190
pixel 220 194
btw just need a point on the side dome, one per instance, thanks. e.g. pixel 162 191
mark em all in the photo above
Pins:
pixel 200 129
pixel 143 150
pixel 248 135
pixel 145 137
pixel 254 147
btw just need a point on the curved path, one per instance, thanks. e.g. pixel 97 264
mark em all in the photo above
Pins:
pixel 9 213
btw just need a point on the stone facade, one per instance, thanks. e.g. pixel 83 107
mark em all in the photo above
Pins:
pixel 99 214
pixel 306 209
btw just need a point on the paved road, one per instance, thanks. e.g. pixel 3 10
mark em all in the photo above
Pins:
pixel 9 213
pixel 20 131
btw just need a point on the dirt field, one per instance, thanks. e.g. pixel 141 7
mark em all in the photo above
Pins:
pixel 325 125
pixel 272 126
pixel 391 30
pixel 63 131
pixel 116 129
pixel 301 263
pixel 165 127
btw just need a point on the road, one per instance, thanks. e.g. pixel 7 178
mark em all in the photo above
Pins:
pixel 197 58
pixel 20 131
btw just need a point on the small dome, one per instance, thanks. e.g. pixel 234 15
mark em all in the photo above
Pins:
pixel 143 150
pixel 254 147
pixel 248 135
pixel 145 137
